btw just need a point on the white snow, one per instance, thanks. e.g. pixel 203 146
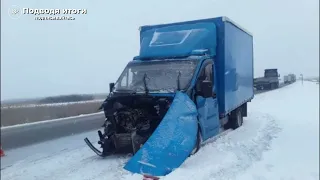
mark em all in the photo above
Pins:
pixel 278 140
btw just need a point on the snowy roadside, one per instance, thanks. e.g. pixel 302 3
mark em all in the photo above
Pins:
pixel 295 153
pixel 279 140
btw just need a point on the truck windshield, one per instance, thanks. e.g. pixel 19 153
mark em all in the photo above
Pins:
pixel 160 76
pixel 271 73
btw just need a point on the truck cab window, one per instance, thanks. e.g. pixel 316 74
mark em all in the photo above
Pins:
pixel 156 74
pixel 124 81
pixel 127 79
pixel 205 74
pixel 208 72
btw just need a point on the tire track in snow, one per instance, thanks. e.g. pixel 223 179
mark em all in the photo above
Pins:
pixel 247 152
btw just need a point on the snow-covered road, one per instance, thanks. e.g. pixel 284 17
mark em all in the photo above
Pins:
pixel 279 140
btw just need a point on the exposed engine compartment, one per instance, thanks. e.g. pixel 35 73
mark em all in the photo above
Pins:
pixel 130 121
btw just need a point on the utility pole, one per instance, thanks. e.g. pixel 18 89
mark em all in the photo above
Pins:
pixel 301 77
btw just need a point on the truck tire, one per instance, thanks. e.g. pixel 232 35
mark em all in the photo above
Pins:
pixel 272 86
pixel 197 145
pixel 236 118
pixel 268 86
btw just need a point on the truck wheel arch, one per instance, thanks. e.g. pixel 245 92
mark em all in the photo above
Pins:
pixel 198 142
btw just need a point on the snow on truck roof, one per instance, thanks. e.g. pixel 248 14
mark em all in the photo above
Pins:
pixel 183 39
pixel 180 40
pixel 226 19
pixel 223 18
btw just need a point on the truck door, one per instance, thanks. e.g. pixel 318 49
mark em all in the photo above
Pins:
pixel 207 107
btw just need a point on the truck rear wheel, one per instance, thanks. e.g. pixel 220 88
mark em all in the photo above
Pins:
pixel 272 86
pixel 236 118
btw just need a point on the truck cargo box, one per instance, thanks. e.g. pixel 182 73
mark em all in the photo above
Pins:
pixel 231 45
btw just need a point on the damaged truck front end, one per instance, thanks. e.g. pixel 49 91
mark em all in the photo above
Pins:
pixel 140 100
pixel 129 122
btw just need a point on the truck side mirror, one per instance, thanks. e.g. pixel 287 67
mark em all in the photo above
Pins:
pixel 278 75
pixel 111 86
pixel 206 89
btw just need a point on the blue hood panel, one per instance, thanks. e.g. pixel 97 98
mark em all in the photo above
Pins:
pixel 178 40
pixel 172 141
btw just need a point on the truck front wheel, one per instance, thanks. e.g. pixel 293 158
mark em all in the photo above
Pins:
pixel 198 142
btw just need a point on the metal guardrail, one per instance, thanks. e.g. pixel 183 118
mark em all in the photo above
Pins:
pixel 27 134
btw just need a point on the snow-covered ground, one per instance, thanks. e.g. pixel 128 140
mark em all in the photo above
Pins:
pixel 279 140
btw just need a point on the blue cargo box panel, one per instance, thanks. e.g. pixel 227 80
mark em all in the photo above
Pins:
pixel 230 44
pixel 238 67
pixel 178 40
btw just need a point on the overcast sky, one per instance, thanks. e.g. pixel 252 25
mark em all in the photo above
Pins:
pixel 44 58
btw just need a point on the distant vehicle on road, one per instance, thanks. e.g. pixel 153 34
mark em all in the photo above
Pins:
pixel 269 81
pixel 290 78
